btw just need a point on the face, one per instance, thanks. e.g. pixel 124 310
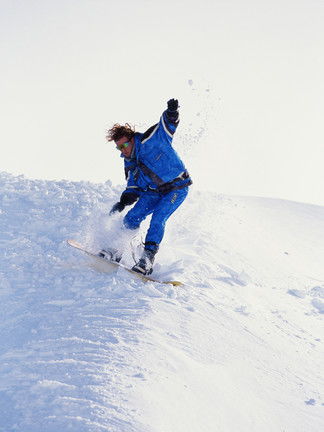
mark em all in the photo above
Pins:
pixel 125 145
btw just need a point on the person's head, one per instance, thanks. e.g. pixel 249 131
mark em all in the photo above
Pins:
pixel 123 136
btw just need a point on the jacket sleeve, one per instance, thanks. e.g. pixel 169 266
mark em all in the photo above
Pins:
pixel 164 130
pixel 170 121
pixel 129 175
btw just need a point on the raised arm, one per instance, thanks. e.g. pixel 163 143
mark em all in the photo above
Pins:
pixel 170 117
pixel 165 129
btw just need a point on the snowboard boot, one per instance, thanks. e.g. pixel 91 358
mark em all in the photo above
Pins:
pixel 111 255
pixel 145 263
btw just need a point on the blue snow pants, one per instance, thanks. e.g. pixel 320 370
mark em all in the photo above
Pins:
pixel 161 207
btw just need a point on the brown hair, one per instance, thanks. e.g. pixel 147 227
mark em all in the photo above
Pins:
pixel 118 131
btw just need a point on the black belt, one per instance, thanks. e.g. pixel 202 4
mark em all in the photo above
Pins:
pixel 183 176
pixel 170 186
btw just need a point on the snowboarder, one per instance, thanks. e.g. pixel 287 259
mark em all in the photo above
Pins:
pixel 157 180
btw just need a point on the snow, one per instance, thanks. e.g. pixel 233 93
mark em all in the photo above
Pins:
pixel 238 348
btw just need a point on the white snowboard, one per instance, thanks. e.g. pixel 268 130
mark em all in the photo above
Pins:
pixel 79 246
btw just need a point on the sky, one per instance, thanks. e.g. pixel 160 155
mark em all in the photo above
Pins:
pixel 248 76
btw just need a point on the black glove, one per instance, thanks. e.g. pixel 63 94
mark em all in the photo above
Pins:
pixel 173 105
pixel 118 207
pixel 172 111
pixel 127 198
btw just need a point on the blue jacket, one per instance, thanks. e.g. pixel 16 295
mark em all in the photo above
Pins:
pixel 154 162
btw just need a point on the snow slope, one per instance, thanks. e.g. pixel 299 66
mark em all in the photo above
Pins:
pixel 238 348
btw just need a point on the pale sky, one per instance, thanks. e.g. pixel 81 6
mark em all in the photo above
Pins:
pixel 248 75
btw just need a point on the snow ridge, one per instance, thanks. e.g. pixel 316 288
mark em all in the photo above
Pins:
pixel 239 347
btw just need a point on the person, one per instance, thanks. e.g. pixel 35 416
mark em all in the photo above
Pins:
pixel 157 180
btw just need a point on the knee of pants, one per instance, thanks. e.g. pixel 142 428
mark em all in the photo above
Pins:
pixel 131 223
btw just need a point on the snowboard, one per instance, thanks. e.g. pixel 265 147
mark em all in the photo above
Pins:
pixel 109 263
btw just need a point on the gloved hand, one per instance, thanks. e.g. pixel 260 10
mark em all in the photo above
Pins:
pixel 118 207
pixel 127 198
pixel 173 105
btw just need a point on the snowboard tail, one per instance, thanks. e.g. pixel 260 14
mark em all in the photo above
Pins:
pixel 116 264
